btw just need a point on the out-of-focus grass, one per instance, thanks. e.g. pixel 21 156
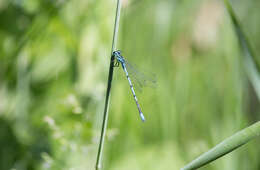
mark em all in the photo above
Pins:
pixel 202 94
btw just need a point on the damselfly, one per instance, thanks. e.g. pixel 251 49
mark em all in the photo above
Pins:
pixel 140 78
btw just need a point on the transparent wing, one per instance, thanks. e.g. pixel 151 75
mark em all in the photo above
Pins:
pixel 140 79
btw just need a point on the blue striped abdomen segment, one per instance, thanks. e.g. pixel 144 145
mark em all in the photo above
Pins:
pixel 133 92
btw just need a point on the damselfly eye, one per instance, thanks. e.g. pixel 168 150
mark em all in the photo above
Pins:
pixel 118 52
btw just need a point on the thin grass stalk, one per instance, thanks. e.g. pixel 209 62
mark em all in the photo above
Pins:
pixel 228 145
pixel 109 85
pixel 251 66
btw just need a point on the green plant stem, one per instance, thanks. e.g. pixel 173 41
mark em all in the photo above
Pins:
pixel 228 145
pixel 250 62
pixel 109 84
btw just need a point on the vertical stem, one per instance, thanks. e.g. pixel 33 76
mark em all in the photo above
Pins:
pixel 116 26
pixel 109 84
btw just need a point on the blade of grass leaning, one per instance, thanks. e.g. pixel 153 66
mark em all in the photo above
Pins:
pixel 109 85
pixel 251 65
pixel 228 145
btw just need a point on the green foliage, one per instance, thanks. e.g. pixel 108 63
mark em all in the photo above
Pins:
pixel 54 58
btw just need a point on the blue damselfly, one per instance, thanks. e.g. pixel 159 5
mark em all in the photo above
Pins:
pixel 140 78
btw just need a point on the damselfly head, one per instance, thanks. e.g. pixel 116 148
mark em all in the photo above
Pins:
pixel 117 52
pixel 118 56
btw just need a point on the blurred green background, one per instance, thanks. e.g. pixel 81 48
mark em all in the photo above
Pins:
pixel 54 58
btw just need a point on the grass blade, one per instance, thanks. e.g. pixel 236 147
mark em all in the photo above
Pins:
pixel 250 62
pixel 109 84
pixel 228 145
